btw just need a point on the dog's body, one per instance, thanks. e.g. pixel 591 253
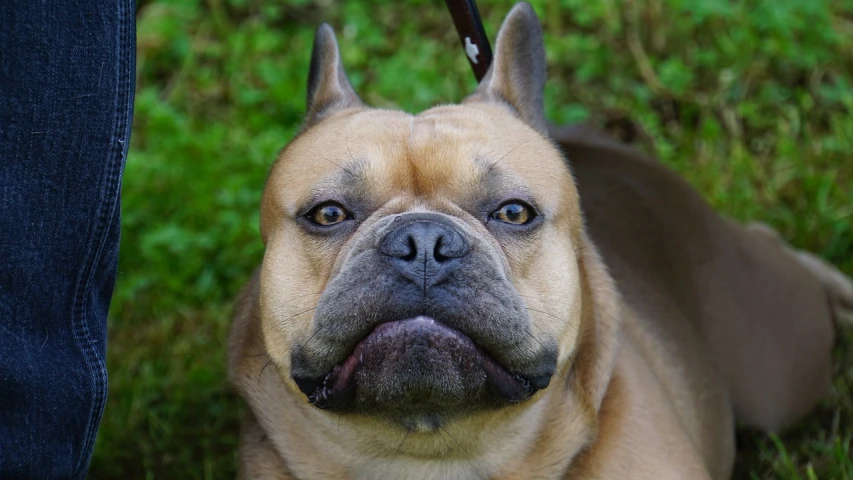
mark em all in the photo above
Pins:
pixel 456 264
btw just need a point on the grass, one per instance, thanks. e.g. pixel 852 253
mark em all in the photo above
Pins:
pixel 751 101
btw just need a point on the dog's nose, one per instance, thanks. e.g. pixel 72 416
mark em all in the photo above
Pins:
pixel 424 247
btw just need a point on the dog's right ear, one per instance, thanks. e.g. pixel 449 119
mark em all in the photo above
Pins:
pixel 329 89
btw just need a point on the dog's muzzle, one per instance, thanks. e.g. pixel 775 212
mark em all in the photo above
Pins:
pixel 422 322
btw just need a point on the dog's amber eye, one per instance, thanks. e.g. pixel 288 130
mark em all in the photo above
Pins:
pixel 328 214
pixel 514 213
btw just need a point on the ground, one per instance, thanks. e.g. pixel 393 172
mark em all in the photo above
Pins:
pixel 751 101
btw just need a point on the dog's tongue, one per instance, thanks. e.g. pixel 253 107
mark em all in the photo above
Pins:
pixel 417 360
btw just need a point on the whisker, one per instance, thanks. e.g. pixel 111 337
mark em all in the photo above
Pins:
pixel 264 368
pixel 507 153
pixel 296 315
pixel 332 162
pixel 540 311
pixel 565 375
pixel 399 449
pixel 309 338
pixel 349 152
pixel 253 356
pixel 543 312
pixel 535 339
pixel 446 445
pixel 307 294
pixel 582 248
pixel 461 447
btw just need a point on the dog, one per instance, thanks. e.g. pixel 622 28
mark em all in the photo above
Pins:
pixel 469 293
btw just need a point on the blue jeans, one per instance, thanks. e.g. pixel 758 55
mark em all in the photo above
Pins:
pixel 67 70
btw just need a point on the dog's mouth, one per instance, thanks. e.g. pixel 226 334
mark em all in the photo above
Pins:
pixel 418 365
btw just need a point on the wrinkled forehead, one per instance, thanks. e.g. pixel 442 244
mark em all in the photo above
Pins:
pixel 449 151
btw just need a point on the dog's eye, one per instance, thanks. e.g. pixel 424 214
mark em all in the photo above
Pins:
pixel 514 212
pixel 328 214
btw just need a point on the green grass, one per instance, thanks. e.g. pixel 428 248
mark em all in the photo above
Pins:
pixel 751 101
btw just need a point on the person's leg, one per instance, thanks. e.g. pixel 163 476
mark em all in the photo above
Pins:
pixel 67 70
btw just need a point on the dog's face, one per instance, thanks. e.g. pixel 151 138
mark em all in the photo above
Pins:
pixel 420 268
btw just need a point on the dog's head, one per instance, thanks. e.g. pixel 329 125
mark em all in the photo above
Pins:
pixel 423 267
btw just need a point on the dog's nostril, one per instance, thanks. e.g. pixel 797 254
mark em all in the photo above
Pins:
pixel 413 250
pixel 448 246
pixel 439 257
pixel 423 240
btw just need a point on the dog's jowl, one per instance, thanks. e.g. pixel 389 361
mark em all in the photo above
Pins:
pixel 467 293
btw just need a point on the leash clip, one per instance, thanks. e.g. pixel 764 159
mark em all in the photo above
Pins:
pixel 475 43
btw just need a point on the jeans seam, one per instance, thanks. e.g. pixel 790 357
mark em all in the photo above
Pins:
pixel 105 215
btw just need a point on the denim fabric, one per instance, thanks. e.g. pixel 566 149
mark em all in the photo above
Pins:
pixel 67 70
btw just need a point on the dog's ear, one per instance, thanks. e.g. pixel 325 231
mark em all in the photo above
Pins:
pixel 329 89
pixel 517 74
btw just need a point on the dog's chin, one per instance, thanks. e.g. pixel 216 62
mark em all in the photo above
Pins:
pixel 417 369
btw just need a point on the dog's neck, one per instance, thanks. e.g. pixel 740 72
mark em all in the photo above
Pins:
pixel 496 445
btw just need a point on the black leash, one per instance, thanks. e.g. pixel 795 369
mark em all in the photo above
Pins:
pixel 475 43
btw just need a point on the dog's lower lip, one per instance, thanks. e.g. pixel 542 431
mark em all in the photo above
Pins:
pixel 337 389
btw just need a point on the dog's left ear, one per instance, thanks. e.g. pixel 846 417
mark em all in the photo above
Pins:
pixel 517 74
pixel 329 89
